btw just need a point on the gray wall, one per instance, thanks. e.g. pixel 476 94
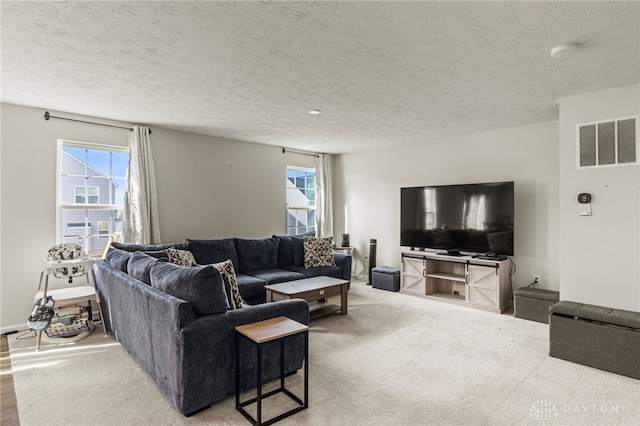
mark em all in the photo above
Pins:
pixel 209 188
pixel 599 254
pixel 368 189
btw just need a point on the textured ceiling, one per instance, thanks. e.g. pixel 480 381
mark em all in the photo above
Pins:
pixel 383 73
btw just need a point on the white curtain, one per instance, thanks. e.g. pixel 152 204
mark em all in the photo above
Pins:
pixel 140 202
pixel 324 197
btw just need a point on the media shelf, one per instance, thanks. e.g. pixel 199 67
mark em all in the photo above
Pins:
pixel 465 280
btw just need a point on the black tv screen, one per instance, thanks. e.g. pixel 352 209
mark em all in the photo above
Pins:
pixel 473 218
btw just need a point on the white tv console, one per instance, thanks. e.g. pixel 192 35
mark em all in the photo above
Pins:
pixel 464 280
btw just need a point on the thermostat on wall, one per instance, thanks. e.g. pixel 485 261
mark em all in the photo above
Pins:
pixel 584 198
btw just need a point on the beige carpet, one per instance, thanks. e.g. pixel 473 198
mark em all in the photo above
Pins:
pixel 394 360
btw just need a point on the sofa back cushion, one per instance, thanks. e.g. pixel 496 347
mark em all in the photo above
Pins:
pixel 147 247
pixel 201 286
pixel 257 254
pixel 285 251
pixel 118 259
pixel 207 252
pixel 298 250
pixel 139 266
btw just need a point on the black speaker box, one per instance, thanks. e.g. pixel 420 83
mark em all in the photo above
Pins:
pixel 372 257
pixel 345 240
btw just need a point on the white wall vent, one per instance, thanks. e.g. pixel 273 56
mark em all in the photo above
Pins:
pixel 608 143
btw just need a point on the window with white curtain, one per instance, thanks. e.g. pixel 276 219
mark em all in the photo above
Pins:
pixel 91 183
pixel 301 200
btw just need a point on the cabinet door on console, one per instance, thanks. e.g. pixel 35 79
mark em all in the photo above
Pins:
pixel 413 275
pixel 484 284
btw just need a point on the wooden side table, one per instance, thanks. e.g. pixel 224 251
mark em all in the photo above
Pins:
pixel 262 332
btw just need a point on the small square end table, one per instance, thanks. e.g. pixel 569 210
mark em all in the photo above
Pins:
pixel 262 332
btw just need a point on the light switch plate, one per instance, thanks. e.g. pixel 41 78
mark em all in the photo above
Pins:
pixel 585 209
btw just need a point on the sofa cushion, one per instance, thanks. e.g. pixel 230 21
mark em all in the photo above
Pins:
pixel 257 253
pixel 318 252
pixel 144 247
pixel 285 251
pixel 207 252
pixel 250 287
pixel 201 286
pixel 158 254
pixel 139 266
pixel 274 276
pixel 181 257
pixel 230 284
pixel 297 244
pixel 118 259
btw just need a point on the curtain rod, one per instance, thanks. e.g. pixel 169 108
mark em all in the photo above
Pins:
pixel 300 152
pixel 47 116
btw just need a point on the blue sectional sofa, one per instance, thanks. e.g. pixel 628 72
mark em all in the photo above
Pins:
pixel 257 262
pixel 177 324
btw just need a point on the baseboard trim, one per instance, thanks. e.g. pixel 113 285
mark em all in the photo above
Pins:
pixel 12 329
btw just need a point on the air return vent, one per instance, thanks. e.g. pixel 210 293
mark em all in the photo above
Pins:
pixel 608 143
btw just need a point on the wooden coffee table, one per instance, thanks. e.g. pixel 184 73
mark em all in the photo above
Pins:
pixel 313 290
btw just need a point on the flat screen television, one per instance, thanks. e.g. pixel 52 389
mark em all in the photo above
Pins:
pixel 475 218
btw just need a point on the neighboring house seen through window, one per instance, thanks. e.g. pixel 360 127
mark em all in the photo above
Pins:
pixel 301 200
pixel 80 198
pixel 91 182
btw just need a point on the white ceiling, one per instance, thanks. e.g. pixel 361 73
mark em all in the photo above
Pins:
pixel 383 73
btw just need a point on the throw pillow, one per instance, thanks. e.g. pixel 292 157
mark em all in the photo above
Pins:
pixel 181 257
pixel 230 283
pixel 201 286
pixel 318 252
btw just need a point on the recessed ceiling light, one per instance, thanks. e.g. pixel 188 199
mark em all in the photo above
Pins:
pixel 563 49
pixel 314 111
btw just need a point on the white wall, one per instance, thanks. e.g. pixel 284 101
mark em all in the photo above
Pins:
pixel 368 188
pixel 208 188
pixel 599 254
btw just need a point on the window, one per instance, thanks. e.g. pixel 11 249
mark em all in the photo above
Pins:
pixel 301 200
pixel 91 183
pixel 80 192
pixel 103 228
